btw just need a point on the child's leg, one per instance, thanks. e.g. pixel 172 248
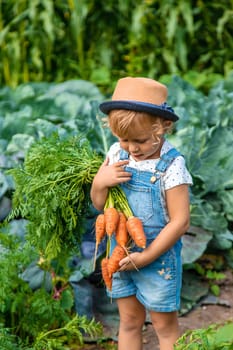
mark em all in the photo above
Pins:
pixel 166 327
pixel 132 318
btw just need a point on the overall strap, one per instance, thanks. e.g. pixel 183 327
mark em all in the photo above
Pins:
pixel 166 160
pixel 124 155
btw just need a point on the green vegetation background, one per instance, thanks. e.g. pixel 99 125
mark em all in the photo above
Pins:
pixel 100 41
pixel 58 60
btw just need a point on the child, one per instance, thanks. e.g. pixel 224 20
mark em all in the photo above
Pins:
pixel 153 175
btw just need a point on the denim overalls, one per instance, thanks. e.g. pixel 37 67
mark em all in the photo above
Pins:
pixel 157 286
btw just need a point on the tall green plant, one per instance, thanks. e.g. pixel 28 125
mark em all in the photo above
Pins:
pixel 59 40
pixel 26 40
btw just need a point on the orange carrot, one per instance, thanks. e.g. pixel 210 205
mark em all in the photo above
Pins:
pixel 111 220
pixel 105 274
pixel 99 233
pixel 113 262
pixel 135 229
pixel 121 231
pixel 100 228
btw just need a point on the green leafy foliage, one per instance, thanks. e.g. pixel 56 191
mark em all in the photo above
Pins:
pixel 65 39
pixel 52 192
pixel 35 319
pixel 53 155
pixel 73 330
pixel 36 110
pixel 9 341
pixel 215 337
pixel 70 108
pixel 206 124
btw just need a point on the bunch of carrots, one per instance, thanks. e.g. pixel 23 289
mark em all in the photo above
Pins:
pixel 117 219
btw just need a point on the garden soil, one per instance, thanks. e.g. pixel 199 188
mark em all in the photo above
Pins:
pixel 208 311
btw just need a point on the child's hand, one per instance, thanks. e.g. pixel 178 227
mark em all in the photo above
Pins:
pixel 112 175
pixel 106 177
pixel 132 262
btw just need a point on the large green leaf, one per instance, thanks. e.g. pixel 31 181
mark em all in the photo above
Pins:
pixel 204 215
pixel 222 240
pixel 194 242
pixel 216 167
pixel 210 159
pixel 226 198
pixel 19 144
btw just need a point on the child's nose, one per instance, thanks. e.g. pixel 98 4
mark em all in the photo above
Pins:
pixel 133 147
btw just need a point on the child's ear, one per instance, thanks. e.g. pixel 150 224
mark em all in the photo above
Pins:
pixel 167 125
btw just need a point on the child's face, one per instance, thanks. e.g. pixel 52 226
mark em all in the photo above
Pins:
pixel 141 144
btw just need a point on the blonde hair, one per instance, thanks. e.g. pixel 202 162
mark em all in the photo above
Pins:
pixel 122 122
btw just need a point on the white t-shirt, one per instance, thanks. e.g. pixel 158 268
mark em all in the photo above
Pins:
pixel 175 175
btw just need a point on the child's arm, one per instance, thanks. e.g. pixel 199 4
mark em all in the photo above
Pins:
pixel 107 176
pixel 177 199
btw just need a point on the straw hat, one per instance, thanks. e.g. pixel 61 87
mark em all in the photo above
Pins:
pixel 140 95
